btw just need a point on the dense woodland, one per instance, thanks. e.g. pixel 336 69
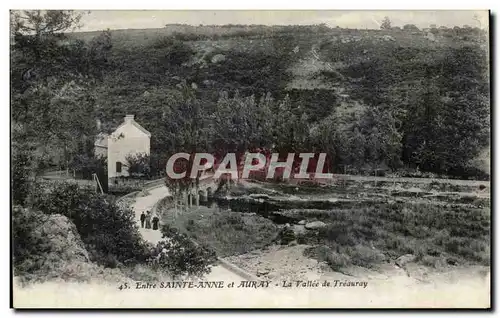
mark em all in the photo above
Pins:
pixel 390 99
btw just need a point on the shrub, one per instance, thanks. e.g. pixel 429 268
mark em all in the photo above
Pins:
pixel 163 42
pixel 28 244
pixel 310 237
pixel 190 225
pixel 146 273
pixel 337 261
pixel 84 166
pixel 365 256
pixel 434 261
pixel 47 247
pixel 175 51
pixel 20 176
pixel 179 255
pixel 228 233
pixel 323 253
pixel 337 232
pixel 139 165
pixel 319 253
pixel 287 236
pixel 108 231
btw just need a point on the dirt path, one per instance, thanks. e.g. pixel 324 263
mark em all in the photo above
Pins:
pixel 146 203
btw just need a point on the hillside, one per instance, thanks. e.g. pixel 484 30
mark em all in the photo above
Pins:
pixel 405 87
pixel 145 37
pixel 289 55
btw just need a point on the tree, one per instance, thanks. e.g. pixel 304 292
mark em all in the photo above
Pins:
pixel 411 27
pixel 37 32
pixel 175 51
pixel 51 88
pixel 109 232
pixel 22 174
pixel 263 125
pixel 98 53
pixel 384 139
pixel 284 134
pixel 232 122
pixel 477 18
pixel 84 165
pixel 41 22
pixel 190 136
pixel 360 137
pixel 386 24
pixel 434 31
pixel 138 165
pixel 28 243
pixel 447 117
pixel 179 255
pixel 340 136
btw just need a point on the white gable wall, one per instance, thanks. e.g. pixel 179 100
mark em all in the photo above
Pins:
pixel 126 140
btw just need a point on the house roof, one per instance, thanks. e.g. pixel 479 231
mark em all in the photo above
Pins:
pixel 141 128
pixel 130 119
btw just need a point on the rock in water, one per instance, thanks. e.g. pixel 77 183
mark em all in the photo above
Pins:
pixel 315 225
pixel 303 222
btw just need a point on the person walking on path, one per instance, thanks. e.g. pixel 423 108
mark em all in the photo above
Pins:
pixel 143 218
pixel 148 220
pixel 155 222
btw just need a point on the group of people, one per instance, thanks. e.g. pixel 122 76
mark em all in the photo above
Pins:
pixel 148 219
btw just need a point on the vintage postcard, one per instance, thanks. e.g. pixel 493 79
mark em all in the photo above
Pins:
pixel 250 159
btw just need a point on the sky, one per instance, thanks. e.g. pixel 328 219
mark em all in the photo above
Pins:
pixel 135 19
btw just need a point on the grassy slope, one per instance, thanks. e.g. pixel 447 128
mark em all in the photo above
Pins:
pixel 258 60
pixel 363 233
pixel 228 233
pixel 299 61
pixel 452 226
pixel 144 37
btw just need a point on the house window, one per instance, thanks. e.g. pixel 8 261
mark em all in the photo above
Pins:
pixel 118 167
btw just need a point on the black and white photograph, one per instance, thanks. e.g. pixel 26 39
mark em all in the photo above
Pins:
pixel 222 159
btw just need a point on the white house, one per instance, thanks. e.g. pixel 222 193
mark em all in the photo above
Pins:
pixel 129 138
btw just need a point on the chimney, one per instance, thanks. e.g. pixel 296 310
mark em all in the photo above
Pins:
pixel 129 118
